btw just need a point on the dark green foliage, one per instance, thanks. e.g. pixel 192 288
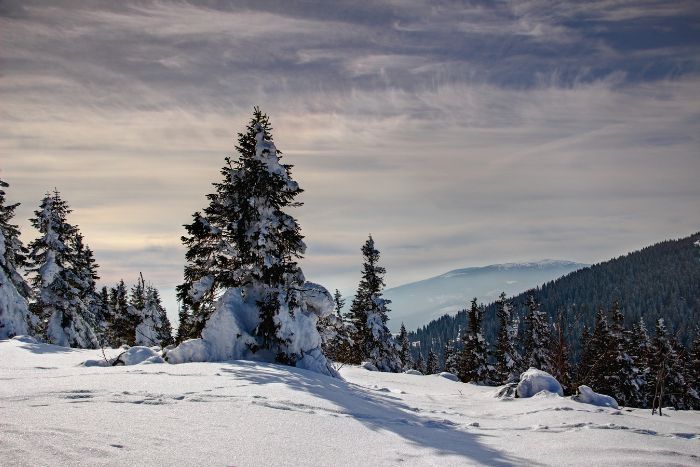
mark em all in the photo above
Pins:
pixel 405 353
pixel 122 329
pixel 432 366
pixel 369 314
pixel 472 365
pixel 537 337
pixel 660 281
pixel 508 365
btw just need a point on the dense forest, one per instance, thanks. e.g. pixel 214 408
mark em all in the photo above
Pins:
pixel 659 281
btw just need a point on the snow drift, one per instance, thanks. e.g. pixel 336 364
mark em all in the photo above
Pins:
pixel 588 396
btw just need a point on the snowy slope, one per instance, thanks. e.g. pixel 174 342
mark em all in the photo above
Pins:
pixel 418 303
pixel 55 412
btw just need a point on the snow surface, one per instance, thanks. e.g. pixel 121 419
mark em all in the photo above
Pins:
pixel 534 381
pixel 244 413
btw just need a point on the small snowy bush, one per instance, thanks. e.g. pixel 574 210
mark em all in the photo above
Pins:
pixel 533 381
pixel 586 395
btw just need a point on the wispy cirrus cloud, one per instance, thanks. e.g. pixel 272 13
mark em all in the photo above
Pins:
pixel 457 134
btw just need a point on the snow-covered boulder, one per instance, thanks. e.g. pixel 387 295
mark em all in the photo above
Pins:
pixel 533 381
pixel 138 354
pixel 450 376
pixel 229 332
pixel 413 372
pixel 588 396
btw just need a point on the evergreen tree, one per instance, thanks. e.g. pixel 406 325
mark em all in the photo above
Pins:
pixel 185 327
pixel 559 355
pixel 58 286
pixel 694 366
pixel 585 361
pixel 472 366
pixel 154 327
pixel 667 378
pixel 124 320
pixel 450 358
pixel 244 239
pixel 537 336
pixel 623 379
pixel 640 349
pixel 432 366
pixel 368 313
pixel 15 317
pixel 508 364
pixel 405 354
pixel 420 363
pixel 103 317
pixel 599 367
pixel 339 303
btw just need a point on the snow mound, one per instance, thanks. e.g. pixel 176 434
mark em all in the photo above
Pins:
pixel 534 381
pixel 586 395
pixel 450 376
pixel 229 332
pixel 413 372
pixel 369 366
pixel 138 354
pixel 25 339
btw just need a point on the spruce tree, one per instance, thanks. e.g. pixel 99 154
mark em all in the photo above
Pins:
pixel 473 366
pixel 507 368
pixel 15 317
pixel 405 354
pixel 57 284
pixel 599 368
pixel 420 363
pixel 369 314
pixel 339 302
pixel 245 239
pixel 559 355
pixel 694 367
pixel 641 351
pixel 124 320
pixel 154 327
pixel 537 336
pixel 450 357
pixel 432 366
pixel 667 376
pixel 624 379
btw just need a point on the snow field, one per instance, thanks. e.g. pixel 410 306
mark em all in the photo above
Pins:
pixel 56 412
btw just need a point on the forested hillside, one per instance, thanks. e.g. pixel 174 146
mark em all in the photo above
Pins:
pixel 659 281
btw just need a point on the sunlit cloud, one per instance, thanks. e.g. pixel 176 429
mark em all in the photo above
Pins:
pixel 457 136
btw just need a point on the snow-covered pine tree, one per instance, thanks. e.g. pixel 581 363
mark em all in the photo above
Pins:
pixel 85 268
pixel 420 363
pixel 185 328
pixel 15 317
pixel 559 355
pixel 244 246
pixel 339 302
pixel 473 362
pixel 537 336
pixel 103 317
pixel 585 360
pixel 640 349
pixel 405 352
pixel 369 314
pixel 666 376
pixel 694 365
pixel 124 319
pixel 57 285
pixel 450 357
pixel 432 366
pixel 507 368
pixel 624 378
pixel 154 327
pixel 599 366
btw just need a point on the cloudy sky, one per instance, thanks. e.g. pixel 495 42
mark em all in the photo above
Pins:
pixel 457 133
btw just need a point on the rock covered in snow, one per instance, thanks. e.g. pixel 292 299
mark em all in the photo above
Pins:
pixel 138 354
pixel 450 376
pixel 588 396
pixel 25 339
pixel 534 381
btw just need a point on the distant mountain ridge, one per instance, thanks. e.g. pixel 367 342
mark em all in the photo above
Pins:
pixel 417 303
pixel 659 281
